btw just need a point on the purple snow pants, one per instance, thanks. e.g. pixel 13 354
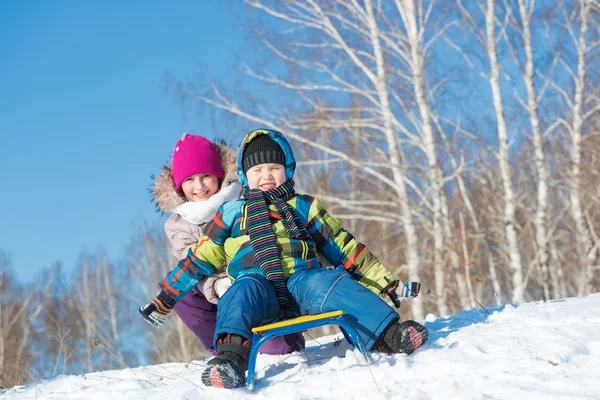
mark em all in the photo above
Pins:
pixel 200 316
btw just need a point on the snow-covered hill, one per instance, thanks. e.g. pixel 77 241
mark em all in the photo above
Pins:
pixel 534 351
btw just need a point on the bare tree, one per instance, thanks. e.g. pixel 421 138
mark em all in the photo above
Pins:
pixel 15 346
pixel 541 234
pixel 96 298
pixel 479 234
pixel 380 83
pixel 587 249
pixel 415 34
pixel 490 41
pixel 505 170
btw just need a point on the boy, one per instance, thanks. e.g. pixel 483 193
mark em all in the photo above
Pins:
pixel 270 240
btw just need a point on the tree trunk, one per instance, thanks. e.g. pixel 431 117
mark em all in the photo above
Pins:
pixel 412 251
pixel 587 250
pixel 86 312
pixel 467 258
pixel 505 171
pixel 541 230
pixel 441 223
pixel 558 276
pixel 112 307
pixel 471 210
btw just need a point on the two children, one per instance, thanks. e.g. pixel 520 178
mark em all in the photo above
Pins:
pixel 269 240
pixel 200 178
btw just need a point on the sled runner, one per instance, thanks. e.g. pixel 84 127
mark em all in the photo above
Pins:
pixel 263 333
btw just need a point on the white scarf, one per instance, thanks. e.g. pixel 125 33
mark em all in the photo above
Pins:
pixel 200 212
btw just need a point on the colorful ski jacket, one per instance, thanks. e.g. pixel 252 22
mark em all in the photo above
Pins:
pixel 226 240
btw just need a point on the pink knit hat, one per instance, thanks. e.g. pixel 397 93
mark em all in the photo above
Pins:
pixel 193 155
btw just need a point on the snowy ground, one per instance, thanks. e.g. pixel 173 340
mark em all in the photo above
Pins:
pixel 534 351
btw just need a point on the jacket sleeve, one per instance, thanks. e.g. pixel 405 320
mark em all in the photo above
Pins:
pixel 341 248
pixel 182 235
pixel 203 259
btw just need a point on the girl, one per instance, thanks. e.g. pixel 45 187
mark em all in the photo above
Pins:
pixel 201 177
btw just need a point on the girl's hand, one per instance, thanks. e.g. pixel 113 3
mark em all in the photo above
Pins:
pixel 157 310
pixel 213 287
pixel 221 285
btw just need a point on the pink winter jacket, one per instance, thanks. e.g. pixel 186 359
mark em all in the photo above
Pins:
pixel 182 234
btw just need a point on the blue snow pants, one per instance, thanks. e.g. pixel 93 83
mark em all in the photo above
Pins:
pixel 251 302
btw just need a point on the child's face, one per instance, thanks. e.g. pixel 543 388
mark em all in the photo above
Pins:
pixel 200 187
pixel 265 176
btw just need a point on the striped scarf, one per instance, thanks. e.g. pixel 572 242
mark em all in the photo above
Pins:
pixel 262 237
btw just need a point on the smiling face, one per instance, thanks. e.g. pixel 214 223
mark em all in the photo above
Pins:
pixel 200 187
pixel 265 176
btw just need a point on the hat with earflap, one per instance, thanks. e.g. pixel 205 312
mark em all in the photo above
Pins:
pixel 262 150
pixel 267 152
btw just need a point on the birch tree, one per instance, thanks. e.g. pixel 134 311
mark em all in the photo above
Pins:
pixel 441 225
pixel 505 170
pixel 379 80
pixel 470 208
pixel 587 249
pixel 526 13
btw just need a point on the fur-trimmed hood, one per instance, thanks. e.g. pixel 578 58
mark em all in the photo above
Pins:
pixel 166 197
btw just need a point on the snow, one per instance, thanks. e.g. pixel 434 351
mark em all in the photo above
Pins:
pixel 542 350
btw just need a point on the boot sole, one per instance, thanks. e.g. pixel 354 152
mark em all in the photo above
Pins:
pixel 222 376
pixel 416 338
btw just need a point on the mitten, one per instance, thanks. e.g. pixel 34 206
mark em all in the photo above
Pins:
pixel 213 287
pixel 157 310
pixel 207 287
pixel 411 289
pixel 222 285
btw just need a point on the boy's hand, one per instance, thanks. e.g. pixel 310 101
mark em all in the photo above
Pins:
pixel 409 290
pixel 157 310
pixel 390 291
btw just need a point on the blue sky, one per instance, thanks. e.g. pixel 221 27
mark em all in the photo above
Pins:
pixel 85 120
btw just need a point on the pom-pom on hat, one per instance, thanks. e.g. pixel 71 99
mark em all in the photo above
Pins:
pixel 194 154
pixel 262 150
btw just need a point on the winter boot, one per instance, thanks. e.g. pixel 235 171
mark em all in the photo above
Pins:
pixel 228 369
pixel 403 337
